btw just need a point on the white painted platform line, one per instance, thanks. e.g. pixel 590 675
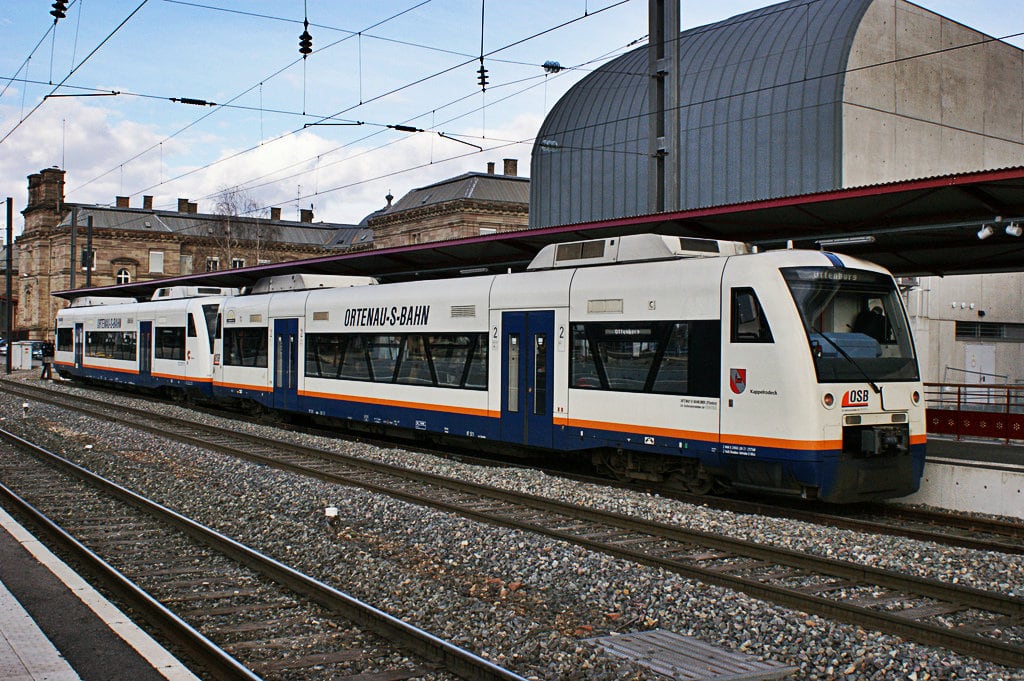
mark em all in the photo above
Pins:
pixel 25 652
pixel 165 663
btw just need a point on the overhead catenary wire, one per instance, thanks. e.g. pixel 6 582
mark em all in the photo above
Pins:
pixel 73 70
pixel 439 125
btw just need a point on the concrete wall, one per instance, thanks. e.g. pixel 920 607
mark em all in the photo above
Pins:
pixel 938 303
pixel 960 107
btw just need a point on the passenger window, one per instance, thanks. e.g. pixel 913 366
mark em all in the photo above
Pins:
pixel 748 321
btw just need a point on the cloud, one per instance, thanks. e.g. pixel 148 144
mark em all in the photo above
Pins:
pixel 106 156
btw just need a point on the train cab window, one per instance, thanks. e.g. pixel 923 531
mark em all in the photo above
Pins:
pixel 190 327
pixel 855 324
pixel 749 324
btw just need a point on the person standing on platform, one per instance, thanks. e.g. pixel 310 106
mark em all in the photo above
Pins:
pixel 47 361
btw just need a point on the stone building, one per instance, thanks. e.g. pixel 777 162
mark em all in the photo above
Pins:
pixel 131 244
pixel 464 206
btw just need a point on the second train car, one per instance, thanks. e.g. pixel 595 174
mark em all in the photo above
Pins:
pixel 685 362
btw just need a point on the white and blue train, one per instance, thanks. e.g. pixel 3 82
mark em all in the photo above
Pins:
pixel 687 362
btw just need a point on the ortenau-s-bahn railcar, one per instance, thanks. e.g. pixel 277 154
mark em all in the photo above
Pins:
pixel 166 343
pixel 687 362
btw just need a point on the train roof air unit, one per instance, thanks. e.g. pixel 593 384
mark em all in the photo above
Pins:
pixel 632 248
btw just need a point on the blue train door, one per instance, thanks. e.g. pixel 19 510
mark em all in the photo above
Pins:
pixel 527 377
pixel 286 364
pixel 145 348
pixel 79 345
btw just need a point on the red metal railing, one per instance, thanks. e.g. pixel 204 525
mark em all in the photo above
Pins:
pixel 975 410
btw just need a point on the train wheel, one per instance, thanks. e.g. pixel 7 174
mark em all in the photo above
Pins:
pixel 695 481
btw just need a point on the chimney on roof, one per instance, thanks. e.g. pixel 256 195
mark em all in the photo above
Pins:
pixel 193 208
pixel 46 189
pixel 122 201
pixel 275 212
pixel 306 215
pixel 490 167
pixel 147 202
pixel 511 166
pixel 182 205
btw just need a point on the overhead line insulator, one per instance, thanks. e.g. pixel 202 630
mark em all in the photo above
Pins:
pixel 194 102
pixel 59 10
pixel 482 75
pixel 305 40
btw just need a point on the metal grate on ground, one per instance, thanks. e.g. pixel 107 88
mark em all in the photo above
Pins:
pixel 687 659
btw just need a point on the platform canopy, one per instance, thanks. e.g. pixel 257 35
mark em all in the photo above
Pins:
pixel 955 224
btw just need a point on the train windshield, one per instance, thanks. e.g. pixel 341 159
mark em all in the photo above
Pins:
pixel 855 324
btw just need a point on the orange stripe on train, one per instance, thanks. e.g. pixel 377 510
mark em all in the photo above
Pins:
pixel 466 411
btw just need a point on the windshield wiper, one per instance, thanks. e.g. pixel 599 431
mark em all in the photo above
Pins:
pixel 851 360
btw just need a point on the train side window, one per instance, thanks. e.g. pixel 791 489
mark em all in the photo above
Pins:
pixel 190 329
pixel 169 342
pixel 212 319
pixel 476 366
pixel 65 340
pixel 414 368
pixel 384 351
pixel 355 363
pixel 245 347
pixel 749 324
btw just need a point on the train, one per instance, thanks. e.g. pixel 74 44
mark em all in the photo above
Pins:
pixel 687 363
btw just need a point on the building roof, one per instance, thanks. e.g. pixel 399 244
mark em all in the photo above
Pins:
pixel 485 187
pixel 315 234
pixel 762 89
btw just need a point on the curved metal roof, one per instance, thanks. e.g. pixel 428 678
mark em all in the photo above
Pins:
pixel 759 96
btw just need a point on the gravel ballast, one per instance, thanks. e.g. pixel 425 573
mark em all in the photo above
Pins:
pixel 524 601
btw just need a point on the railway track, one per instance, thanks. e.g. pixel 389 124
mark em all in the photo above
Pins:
pixel 237 613
pixel 948 529
pixel 971 621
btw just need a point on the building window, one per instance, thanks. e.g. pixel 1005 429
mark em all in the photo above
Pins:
pixel 212 264
pixel 88 259
pixel 156 262
pixel 124 276
pixel 185 264
pixel 237 263
pixel 989 331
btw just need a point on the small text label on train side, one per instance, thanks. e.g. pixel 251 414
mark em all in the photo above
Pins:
pixel 396 315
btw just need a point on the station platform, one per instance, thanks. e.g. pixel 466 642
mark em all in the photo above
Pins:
pixel 978 476
pixel 56 627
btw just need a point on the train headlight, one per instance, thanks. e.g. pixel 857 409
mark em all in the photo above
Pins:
pixel 829 400
pixel 915 397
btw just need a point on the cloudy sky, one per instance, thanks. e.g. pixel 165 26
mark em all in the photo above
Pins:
pixel 388 62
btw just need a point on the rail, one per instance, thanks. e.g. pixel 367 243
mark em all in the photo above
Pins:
pixel 981 410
